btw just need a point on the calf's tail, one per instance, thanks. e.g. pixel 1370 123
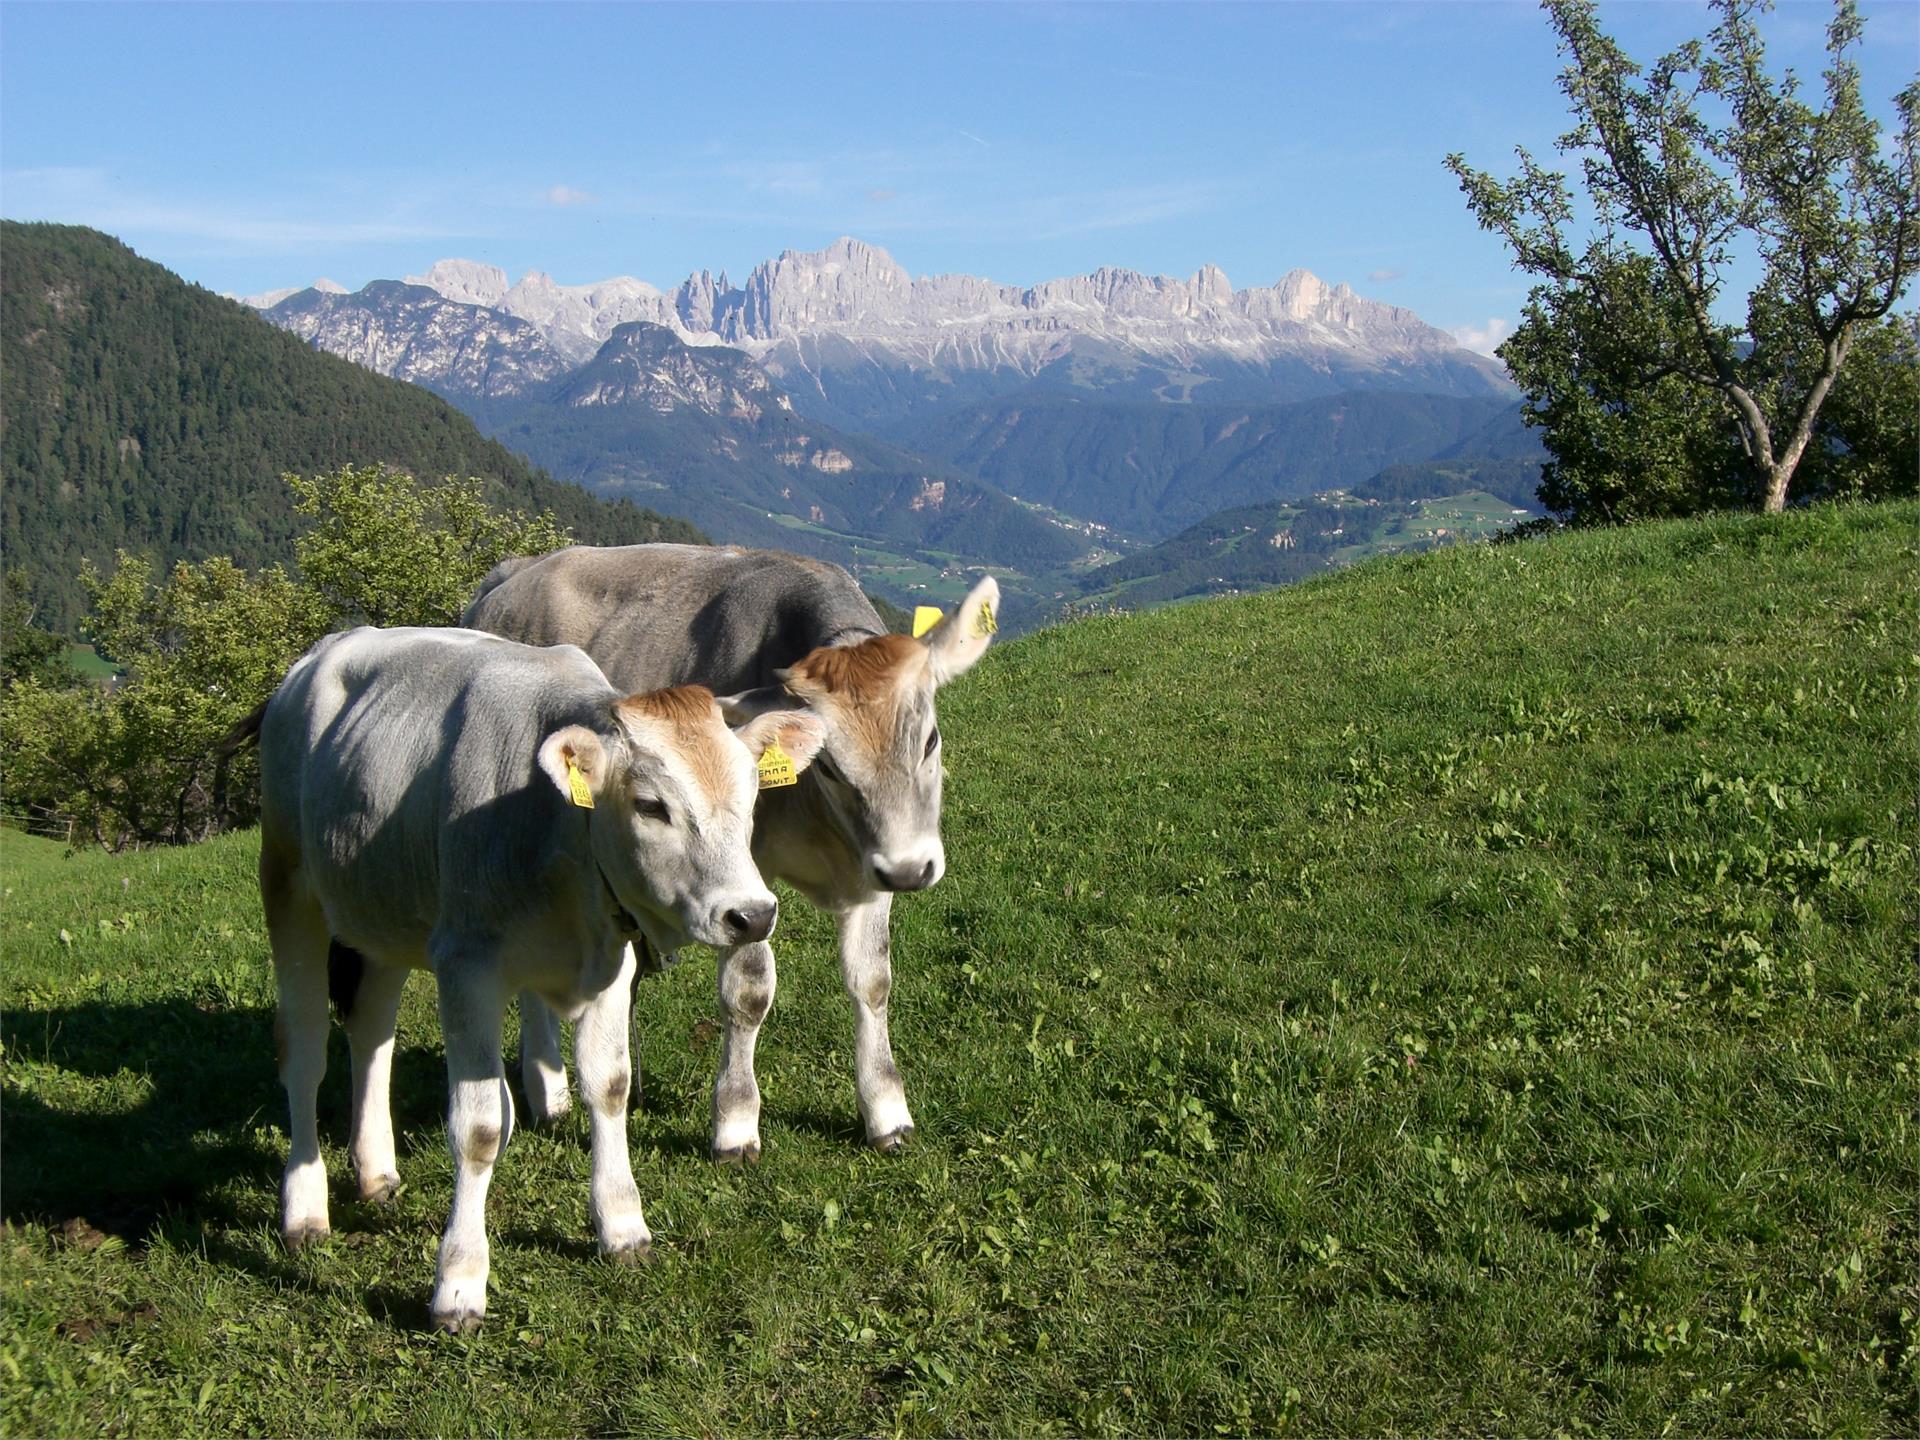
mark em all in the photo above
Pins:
pixel 246 733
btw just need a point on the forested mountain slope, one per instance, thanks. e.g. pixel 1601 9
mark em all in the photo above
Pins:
pixel 1149 469
pixel 146 413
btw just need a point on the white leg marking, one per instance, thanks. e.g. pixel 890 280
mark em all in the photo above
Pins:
pixel 746 994
pixel 479 1119
pixel 299 934
pixel 866 966
pixel 603 1061
pixel 370 1038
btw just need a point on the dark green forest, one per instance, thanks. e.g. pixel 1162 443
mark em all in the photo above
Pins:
pixel 147 414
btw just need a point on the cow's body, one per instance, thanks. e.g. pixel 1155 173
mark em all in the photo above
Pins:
pixel 421 809
pixel 659 615
pixel 766 628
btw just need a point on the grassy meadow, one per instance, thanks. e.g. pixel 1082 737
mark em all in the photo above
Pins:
pixel 1471 992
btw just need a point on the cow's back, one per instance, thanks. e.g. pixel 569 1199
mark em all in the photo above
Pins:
pixel 652 616
pixel 397 773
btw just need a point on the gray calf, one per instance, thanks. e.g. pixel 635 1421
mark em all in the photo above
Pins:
pixel 768 629
pixel 500 815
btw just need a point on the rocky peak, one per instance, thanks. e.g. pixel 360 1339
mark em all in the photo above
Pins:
pixel 467 282
pixel 414 333
pixel 272 298
pixel 1211 286
pixel 647 364
pixel 578 318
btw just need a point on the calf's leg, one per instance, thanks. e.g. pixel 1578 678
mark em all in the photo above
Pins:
pixel 746 994
pixel 602 1061
pixel 866 967
pixel 298 931
pixel 543 1073
pixel 479 1121
pixel 369 1013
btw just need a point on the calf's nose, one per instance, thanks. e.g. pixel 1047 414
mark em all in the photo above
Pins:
pixel 914 875
pixel 748 923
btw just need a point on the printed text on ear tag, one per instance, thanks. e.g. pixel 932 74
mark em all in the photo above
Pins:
pixel 984 624
pixel 925 617
pixel 577 786
pixel 776 768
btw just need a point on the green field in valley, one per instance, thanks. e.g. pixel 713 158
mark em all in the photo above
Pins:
pixel 87 662
pixel 1473 991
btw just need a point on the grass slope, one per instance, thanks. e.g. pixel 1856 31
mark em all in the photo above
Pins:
pixel 1470 992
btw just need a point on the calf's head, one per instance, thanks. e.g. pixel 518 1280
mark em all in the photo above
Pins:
pixel 880 767
pixel 672 792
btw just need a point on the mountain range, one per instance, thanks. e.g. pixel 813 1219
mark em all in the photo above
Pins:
pixel 836 404
pixel 857 340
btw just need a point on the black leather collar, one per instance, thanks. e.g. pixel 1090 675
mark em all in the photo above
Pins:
pixel 622 917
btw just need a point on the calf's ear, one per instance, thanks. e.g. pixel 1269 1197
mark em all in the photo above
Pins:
pixel 574 749
pixel 749 704
pixel 799 733
pixel 962 638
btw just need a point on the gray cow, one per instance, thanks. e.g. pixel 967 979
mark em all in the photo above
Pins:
pixel 502 816
pixel 766 629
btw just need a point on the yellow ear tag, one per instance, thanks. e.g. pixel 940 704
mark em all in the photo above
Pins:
pixel 776 768
pixel 577 786
pixel 984 624
pixel 925 617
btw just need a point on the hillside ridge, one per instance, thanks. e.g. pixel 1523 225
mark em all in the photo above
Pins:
pixel 147 413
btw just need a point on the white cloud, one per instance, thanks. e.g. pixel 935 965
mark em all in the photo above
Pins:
pixel 1482 339
pixel 784 178
pixel 1381 277
pixel 567 195
pixel 80 195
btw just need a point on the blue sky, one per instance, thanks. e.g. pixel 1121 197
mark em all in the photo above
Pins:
pixel 249 147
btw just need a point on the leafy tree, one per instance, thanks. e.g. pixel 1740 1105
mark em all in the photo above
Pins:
pixel 27 651
pixel 385 550
pixel 141 761
pixel 1649 404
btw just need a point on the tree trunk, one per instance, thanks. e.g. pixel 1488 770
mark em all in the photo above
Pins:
pixel 1780 472
pixel 1778 478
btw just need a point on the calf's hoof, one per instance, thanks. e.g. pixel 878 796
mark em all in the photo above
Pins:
pixel 543 1112
pixel 893 1142
pixel 738 1155
pixel 302 1237
pixel 379 1189
pixel 640 1252
pixel 457 1322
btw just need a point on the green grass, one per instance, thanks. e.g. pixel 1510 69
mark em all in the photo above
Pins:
pixel 87 663
pixel 1472 992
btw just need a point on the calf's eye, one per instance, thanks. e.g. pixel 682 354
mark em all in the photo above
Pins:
pixel 652 807
pixel 933 743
